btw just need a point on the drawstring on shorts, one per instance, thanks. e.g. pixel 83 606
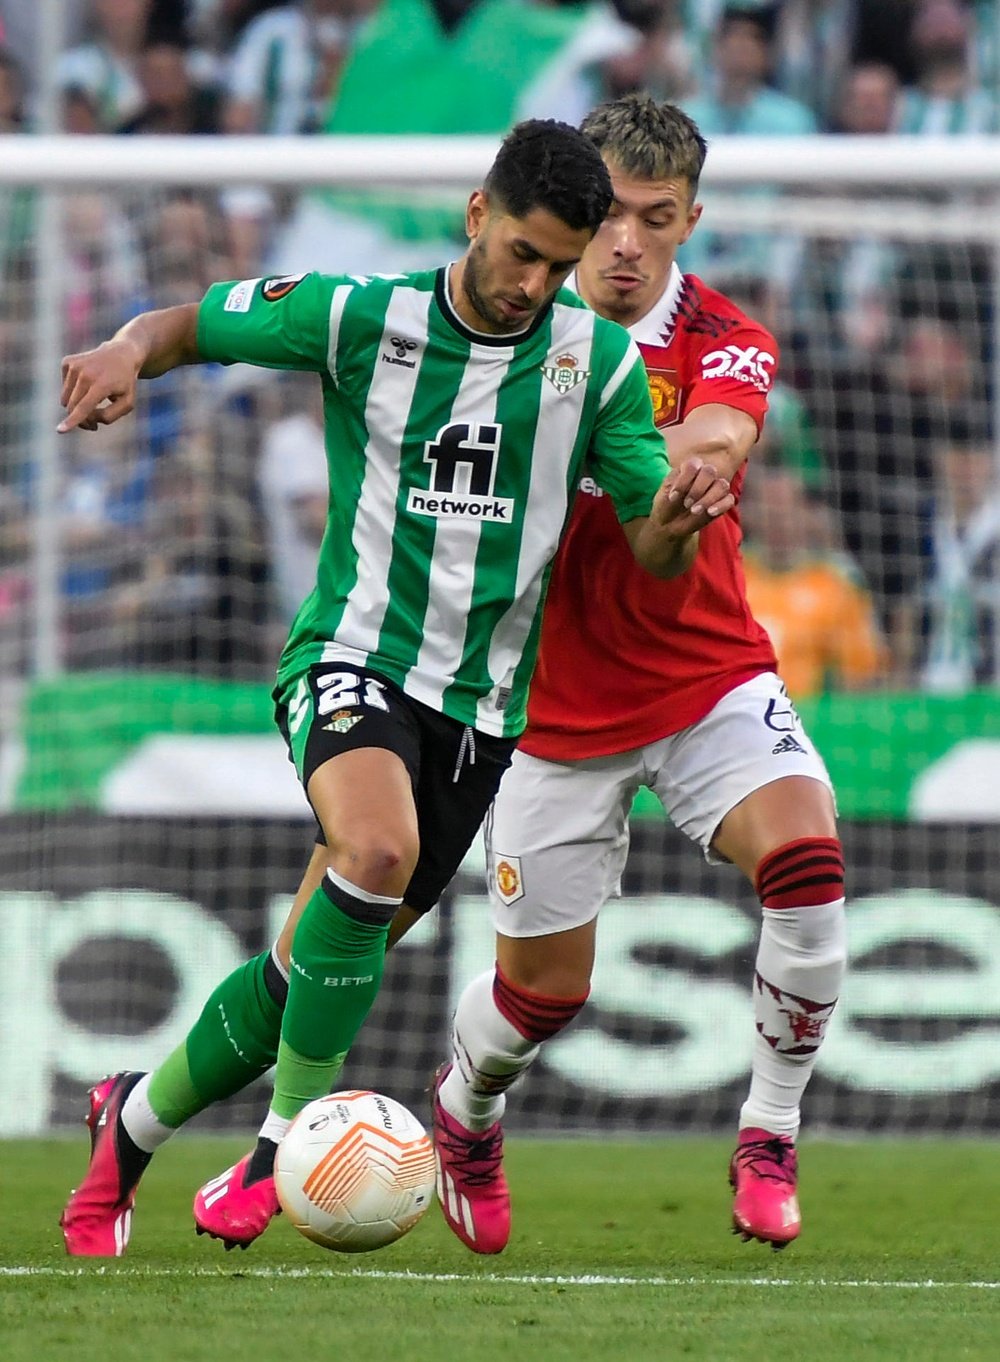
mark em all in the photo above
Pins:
pixel 466 746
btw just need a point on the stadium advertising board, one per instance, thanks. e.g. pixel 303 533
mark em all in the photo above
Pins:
pixel 114 929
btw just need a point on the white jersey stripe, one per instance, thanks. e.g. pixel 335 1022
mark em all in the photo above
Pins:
pixel 386 413
pixel 620 374
pixel 337 303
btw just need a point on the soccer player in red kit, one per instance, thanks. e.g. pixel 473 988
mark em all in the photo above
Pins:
pixel 671 685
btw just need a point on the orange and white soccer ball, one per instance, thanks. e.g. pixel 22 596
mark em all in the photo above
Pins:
pixel 355 1171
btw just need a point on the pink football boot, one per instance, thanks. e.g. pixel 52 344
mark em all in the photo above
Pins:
pixel 763 1173
pixel 97 1219
pixel 228 1210
pixel 471 1186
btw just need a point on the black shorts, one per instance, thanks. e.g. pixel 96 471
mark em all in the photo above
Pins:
pixel 454 769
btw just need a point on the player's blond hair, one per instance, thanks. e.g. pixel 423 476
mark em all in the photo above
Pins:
pixel 646 139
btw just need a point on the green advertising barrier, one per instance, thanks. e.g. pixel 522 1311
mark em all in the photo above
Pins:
pixel 78 729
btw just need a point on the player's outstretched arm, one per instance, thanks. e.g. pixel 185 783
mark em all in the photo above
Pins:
pixel 148 345
pixel 720 435
pixel 665 542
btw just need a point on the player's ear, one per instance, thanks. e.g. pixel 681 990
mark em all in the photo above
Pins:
pixel 694 216
pixel 476 213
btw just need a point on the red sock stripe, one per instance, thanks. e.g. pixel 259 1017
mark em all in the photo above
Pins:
pixel 802 873
pixel 536 1016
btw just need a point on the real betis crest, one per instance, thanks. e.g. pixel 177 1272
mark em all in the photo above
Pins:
pixel 564 375
pixel 343 721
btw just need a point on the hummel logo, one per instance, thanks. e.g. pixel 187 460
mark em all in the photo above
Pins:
pixel 787 744
pixel 402 348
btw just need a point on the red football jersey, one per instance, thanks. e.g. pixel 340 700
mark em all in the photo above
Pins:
pixel 626 659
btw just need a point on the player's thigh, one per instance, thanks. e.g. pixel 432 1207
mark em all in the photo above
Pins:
pixel 557 841
pixel 356 744
pixel 751 739
pixel 558 965
pixel 787 809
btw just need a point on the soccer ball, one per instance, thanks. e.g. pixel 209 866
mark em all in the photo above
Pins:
pixel 355 1171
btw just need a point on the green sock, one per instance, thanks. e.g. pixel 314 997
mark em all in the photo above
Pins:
pixel 234 1041
pixel 337 964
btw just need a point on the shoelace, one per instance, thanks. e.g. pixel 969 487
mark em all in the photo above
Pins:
pixel 478 1161
pixel 772 1159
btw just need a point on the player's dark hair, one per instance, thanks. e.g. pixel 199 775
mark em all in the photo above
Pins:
pixel 546 164
pixel 648 140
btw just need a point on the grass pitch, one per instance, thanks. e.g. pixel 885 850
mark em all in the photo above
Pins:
pixel 620 1251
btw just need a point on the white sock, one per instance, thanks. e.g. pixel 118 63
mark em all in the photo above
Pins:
pixel 800 965
pixel 143 1127
pixel 489 1054
pixel 274 1128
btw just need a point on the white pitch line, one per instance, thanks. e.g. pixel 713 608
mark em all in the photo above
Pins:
pixel 511 1279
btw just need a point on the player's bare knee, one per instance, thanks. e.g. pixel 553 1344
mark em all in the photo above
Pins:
pixel 377 862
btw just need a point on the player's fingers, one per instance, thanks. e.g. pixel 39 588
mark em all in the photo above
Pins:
pixel 82 410
pixel 722 506
pixel 121 406
pixel 679 480
pixel 702 500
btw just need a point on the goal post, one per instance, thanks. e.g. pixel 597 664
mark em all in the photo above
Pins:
pixel 153 829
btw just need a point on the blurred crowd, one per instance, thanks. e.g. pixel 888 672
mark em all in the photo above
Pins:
pixel 187 536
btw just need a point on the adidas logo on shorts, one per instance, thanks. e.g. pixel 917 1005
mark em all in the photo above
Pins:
pixel 787 744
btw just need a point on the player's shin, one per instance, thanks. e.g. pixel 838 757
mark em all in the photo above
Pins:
pixel 497 1032
pixel 799 968
pixel 338 955
pixel 233 1042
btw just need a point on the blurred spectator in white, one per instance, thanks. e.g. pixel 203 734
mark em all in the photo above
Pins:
pixel 945 98
pixel 963 593
pixel 285 67
pixel 663 62
pixel 577 77
pixel 173 102
pixel 293 482
pixel 281 76
pixel 107 66
pixel 21 21
pixel 844 300
pixel 813 45
pixel 737 101
pixel 736 98
pixel 806 592
pixel 866 101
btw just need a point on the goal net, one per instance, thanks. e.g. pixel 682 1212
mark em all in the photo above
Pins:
pixel 153 831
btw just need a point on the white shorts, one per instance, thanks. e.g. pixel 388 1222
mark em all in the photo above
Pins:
pixel 557 838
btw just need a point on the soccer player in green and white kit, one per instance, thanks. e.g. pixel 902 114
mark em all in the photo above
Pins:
pixel 460 407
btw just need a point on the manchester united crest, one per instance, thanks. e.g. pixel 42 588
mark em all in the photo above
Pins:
pixel 565 374
pixel 507 878
pixel 664 392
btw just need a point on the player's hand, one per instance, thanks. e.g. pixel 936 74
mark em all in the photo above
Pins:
pixel 691 497
pixel 98 386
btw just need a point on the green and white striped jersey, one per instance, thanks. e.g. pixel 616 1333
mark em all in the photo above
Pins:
pixel 453 458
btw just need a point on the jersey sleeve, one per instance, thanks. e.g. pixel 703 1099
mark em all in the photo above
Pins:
pixel 627 455
pixel 736 370
pixel 276 323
